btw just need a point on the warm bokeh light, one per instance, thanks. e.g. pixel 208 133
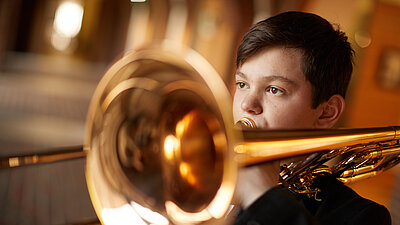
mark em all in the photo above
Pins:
pixel 68 19
pixel 60 42
pixel 363 39
pixel 67 24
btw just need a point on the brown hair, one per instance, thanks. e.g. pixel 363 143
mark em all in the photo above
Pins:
pixel 327 60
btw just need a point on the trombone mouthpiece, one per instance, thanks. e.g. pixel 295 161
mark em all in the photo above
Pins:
pixel 247 122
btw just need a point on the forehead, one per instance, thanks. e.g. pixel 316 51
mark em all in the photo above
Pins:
pixel 275 61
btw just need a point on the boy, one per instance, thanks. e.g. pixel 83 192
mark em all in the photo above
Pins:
pixel 293 71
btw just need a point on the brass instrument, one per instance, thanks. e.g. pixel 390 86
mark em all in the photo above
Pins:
pixel 160 138
pixel 348 154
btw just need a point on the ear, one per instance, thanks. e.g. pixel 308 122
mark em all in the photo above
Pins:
pixel 331 111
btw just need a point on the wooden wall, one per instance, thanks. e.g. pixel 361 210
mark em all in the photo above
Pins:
pixel 375 95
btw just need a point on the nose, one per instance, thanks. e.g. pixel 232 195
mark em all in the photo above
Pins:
pixel 252 104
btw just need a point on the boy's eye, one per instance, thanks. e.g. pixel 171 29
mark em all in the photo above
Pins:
pixel 275 90
pixel 241 85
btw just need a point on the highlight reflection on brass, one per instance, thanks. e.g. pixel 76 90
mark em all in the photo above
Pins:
pixel 247 122
pixel 171 145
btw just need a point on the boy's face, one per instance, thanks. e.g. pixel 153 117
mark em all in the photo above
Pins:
pixel 272 90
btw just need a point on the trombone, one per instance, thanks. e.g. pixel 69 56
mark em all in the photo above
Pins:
pixel 160 137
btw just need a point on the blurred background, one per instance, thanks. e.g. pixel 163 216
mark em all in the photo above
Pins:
pixel 54 52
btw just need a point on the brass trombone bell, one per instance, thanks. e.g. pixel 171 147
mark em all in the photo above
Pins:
pixel 159 136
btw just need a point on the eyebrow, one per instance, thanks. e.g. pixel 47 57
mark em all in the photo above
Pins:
pixel 269 78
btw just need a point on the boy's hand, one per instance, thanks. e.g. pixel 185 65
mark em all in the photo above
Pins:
pixel 256 180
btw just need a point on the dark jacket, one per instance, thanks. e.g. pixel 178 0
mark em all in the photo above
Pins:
pixel 339 205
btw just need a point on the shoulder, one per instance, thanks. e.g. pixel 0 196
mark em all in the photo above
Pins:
pixel 343 203
pixel 278 207
pixel 370 212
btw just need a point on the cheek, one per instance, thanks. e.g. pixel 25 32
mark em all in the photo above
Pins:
pixel 287 116
pixel 279 117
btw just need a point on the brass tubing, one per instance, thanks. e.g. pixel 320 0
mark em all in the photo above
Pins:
pixel 372 155
pixel 359 177
pixel 260 146
pixel 53 156
pixel 391 151
pixel 354 172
